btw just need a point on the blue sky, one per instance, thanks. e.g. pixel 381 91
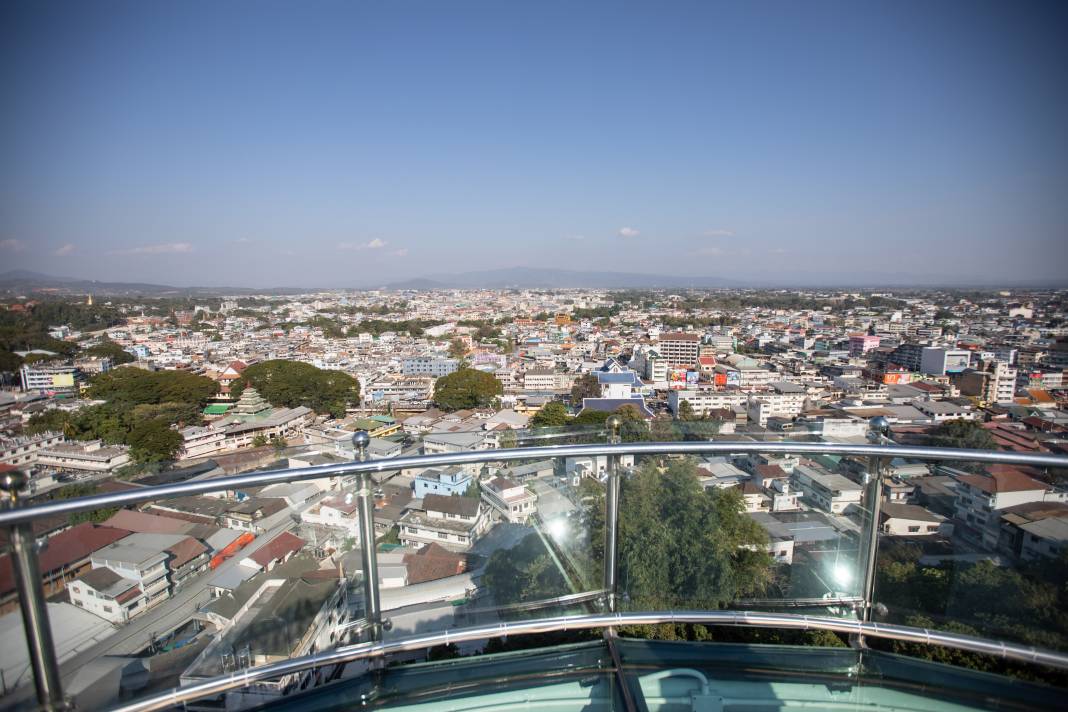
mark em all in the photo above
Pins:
pixel 350 143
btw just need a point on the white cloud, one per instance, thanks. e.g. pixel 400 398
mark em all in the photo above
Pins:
pixel 166 248
pixel 11 244
pixel 64 250
pixel 375 244
pixel 243 241
pixel 709 252
pixel 402 252
pixel 628 232
pixel 719 232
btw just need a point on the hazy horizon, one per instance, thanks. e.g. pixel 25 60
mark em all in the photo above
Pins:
pixel 339 144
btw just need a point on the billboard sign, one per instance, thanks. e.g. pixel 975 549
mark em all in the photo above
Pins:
pixel 63 380
pixel 692 377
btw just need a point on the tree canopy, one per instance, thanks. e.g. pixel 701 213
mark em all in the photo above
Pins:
pixel 109 349
pixel 523 573
pixel 551 415
pixel 289 384
pixel 586 386
pixel 963 433
pixel 682 545
pixel 134 386
pixel 466 388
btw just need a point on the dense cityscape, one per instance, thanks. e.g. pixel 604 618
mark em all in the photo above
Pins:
pixel 548 356
pixel 107 392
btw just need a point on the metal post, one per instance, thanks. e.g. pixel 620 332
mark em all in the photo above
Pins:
pixel 32 603
pixel 372 602
pixel 611 518
pixel 879 427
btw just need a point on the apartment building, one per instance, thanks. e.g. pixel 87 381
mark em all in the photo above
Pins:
pixel 23 449
pixel 429 366
pixel 90 456
pixel 453 522
pixel 445 481
pixel 981 498
pixel 512 501
pixel 830 492
pixel 142 559
pixel 703 400
pixel 860 344
pixel 679 348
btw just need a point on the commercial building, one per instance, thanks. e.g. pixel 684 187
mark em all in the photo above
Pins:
pixel 51 380
pixel 91 456
pixel 680 349
pixel 429 366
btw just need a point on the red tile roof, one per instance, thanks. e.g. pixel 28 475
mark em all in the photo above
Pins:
pixel 64 549
pixel 185 551
pixel 433 562
pixel 278 548
pixel 1007 480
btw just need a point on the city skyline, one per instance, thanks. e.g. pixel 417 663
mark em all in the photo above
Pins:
pixel 344 145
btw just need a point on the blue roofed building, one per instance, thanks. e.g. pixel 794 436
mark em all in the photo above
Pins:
pixel 618 389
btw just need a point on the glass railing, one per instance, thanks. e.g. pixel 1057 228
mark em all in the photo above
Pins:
pixel 269 588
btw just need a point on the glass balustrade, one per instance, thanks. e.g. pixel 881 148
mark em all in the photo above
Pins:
pixel 163 592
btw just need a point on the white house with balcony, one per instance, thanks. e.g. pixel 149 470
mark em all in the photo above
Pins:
pixel 455 523
pixel 512 501
pixel 141 558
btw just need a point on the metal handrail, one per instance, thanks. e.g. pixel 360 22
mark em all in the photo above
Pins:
pixel 49 691
pixel 362 651
pixel 145 494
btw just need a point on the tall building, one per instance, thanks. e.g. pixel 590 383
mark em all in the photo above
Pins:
pixel 680 349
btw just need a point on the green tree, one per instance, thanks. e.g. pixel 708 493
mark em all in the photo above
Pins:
pixel 293 383
pixel 964 434
pixel 522 573
pixel 552 415
pixel 466 388
pixel 259 440
pixel 10 362
pixel 457 349
pixel 586 386
pixel 681 545
pixel 686 411
pixel 54 420
pixel 109 349
pixel 133 386
pixel 633 428
pixel 154 441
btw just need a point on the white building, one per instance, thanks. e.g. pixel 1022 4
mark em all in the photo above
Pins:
pixel 830 492
pixel 90 456
pixel 980 499
pixel 453 522
pixel 511 500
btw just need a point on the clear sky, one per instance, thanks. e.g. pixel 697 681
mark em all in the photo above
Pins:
pixel 349 143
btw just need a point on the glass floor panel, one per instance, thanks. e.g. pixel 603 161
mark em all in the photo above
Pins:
pixel 678 677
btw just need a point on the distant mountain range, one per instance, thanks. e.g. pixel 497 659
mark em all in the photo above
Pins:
pixel 27 282
pixel 544 278
pixel 22 281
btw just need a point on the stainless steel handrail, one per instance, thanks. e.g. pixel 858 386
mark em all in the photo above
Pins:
pixel 145 494
pixel 21 517
pixel 223 683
